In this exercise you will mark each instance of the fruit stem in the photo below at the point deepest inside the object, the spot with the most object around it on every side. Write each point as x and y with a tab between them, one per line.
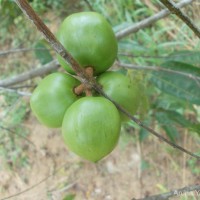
89	71
88	92
78	90
83	87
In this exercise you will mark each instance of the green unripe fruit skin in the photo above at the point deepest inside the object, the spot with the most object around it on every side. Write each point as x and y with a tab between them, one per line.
119	88
89	38
52	97
91	127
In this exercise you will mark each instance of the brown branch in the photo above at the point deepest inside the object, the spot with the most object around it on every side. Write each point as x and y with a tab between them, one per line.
175	10
90	82
148	21
49	36
195	189
45	69
141	124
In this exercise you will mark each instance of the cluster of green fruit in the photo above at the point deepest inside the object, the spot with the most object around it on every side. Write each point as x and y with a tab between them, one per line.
90	124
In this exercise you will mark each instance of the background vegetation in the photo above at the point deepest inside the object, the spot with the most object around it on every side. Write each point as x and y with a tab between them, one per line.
169	102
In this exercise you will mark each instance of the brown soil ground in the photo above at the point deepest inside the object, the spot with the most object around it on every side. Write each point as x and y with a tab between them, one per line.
117	177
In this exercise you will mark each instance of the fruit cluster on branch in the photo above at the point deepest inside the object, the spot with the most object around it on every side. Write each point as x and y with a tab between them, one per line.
90	123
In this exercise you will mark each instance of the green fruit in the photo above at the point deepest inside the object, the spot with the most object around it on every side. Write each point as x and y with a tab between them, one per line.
52	97
120	88
89	38
91	127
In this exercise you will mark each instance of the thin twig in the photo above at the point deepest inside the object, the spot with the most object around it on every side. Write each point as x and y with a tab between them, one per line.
22	86
195	189
11	51
148	21
16	91
64	189
141	124
53	65
154	56
175	10
91	82
45	69
155	68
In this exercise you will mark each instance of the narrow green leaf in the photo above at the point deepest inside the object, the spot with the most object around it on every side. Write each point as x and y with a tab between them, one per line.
182	67
169	102
144	165
122	71
190	57
69	197
181	86
143	134
121	26
168	125
43	55
131	46
180	119
137	78
170	44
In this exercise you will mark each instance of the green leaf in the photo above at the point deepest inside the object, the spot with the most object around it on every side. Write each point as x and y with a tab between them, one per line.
137	78
122	71
190	57
43	55
169	102
143	134
170	44
131	46
69	197
172	117
144	165
168	125
182	67
121	26
195	128
180	119
178	85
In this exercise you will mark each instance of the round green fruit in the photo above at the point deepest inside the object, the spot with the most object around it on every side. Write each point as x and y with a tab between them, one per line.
89	38
120	88
91	127
52	97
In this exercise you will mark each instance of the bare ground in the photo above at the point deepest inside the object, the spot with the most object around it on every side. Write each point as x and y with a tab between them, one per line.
117	177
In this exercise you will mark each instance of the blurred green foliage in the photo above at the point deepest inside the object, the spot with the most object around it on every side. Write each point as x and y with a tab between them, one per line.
12	132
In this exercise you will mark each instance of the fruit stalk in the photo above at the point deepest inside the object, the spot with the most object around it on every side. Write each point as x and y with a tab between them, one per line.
83	87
